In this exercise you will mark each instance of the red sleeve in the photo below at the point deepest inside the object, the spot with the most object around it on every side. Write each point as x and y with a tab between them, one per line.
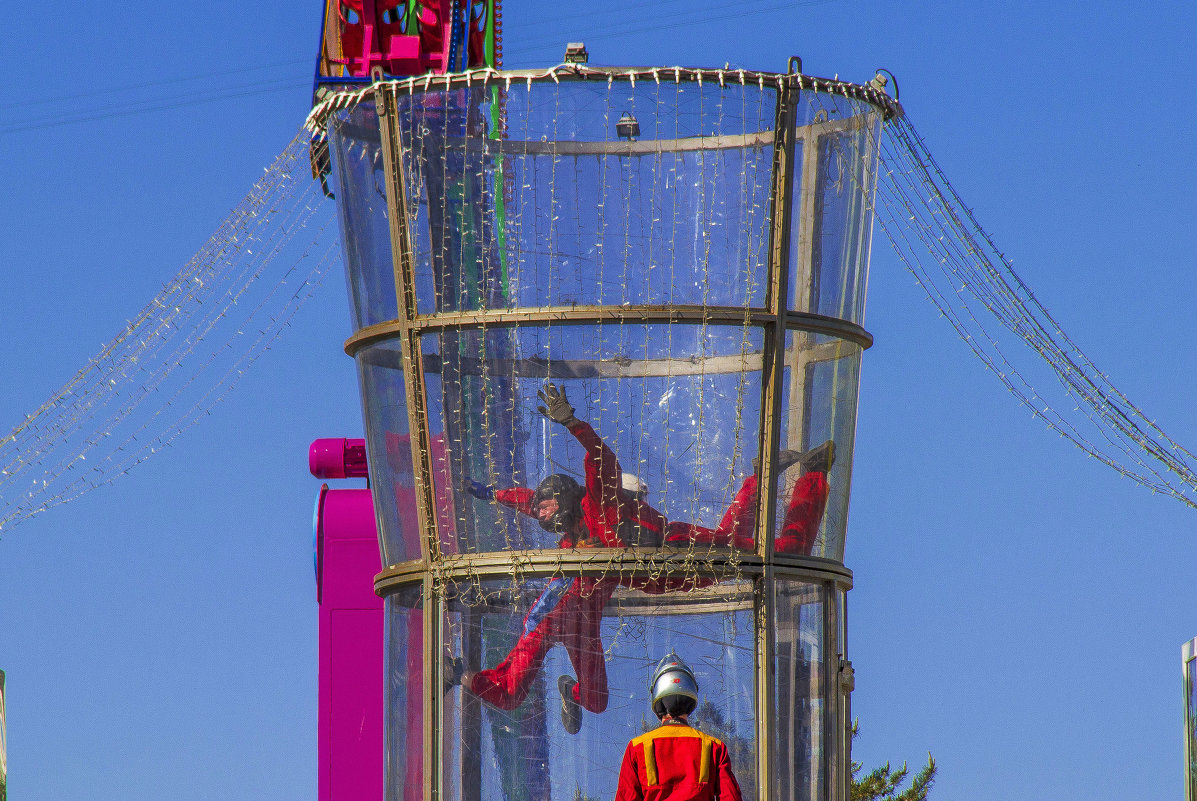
602	466
517	498
603	475
728	789
629	788
648	517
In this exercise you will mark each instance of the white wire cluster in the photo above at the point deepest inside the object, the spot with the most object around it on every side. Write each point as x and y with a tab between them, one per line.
185	350
975	287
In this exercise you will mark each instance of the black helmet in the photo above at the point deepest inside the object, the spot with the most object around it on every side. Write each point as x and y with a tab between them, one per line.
673	687
568	494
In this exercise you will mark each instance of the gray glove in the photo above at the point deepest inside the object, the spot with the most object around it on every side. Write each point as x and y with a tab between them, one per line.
556	405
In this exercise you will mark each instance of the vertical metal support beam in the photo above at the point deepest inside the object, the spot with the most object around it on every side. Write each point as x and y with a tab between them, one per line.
433	692
772	371
836	690
403	260
1188	655
831	693
807	201
845	685
773	360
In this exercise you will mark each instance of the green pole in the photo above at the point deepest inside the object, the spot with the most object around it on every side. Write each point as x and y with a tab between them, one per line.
3	745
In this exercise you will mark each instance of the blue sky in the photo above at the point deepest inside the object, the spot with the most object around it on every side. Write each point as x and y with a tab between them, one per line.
1018	609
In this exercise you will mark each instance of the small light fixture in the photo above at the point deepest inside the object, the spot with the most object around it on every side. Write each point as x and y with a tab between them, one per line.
627	127
575	53
882	80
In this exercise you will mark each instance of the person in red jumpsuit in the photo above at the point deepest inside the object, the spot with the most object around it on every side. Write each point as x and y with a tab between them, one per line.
676	762
569	611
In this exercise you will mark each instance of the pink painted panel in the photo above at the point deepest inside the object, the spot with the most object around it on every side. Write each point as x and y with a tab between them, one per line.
352	642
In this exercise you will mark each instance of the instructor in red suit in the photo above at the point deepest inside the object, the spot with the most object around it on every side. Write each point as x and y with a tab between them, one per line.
675	762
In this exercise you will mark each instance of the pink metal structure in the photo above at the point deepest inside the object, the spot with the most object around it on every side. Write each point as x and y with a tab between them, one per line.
351	628
403	37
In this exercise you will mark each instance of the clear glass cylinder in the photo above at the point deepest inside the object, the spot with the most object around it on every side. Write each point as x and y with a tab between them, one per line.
586	303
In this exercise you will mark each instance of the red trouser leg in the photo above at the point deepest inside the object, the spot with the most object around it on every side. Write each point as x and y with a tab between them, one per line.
686	533
576	623
506	685
580	631
585	651
740	518
735	527
803	515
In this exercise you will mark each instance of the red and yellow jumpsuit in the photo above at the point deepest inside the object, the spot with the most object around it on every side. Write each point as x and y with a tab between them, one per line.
676	763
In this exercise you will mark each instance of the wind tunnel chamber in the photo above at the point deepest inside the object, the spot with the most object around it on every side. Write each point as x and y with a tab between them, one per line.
684	254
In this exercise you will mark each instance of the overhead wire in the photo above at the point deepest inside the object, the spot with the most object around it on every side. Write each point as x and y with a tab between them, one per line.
104	91
621	30
974	285
931	229
139	107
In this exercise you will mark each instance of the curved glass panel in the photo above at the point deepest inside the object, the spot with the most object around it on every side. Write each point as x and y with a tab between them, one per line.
388	451
403	696
675	407
505	734
801	706
534	210
359	184
831	218
820	385
530	195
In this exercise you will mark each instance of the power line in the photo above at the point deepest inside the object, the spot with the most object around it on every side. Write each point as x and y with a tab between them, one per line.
115	90
147	107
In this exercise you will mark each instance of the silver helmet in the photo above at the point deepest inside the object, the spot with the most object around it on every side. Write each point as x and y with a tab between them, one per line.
673	687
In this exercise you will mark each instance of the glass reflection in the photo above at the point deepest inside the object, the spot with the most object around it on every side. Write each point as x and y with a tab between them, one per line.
800	682
612	633
389	451
359	186
552	207
676	408
820	384
831	215
404	697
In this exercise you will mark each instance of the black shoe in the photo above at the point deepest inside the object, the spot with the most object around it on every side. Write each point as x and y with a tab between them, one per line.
453	670
818	459
571	710
787	459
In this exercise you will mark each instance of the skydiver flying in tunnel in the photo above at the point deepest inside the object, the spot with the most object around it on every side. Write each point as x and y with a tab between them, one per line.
601	513
569	611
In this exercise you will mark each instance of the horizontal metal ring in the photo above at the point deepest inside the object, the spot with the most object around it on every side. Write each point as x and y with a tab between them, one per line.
599	562
355	92
589	315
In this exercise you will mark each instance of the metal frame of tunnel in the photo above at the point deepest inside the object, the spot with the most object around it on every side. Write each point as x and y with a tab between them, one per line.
434	571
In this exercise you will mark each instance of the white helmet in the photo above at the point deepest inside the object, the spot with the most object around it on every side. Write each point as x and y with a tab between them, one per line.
673	688
633	485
